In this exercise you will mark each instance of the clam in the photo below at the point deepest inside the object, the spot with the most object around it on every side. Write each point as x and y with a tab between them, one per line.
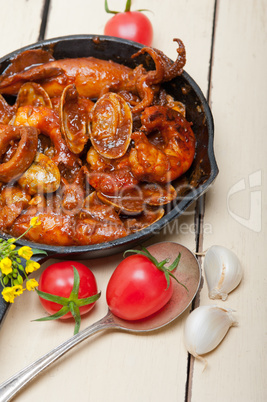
158	194
129	202
33	94
42	176
91	200
111	126
149	216
74	115
132	201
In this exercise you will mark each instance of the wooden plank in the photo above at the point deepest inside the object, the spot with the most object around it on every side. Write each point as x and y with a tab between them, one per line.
20	24
113	366
236	205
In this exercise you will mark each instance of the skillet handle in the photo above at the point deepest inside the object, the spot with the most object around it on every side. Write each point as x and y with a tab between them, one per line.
4	306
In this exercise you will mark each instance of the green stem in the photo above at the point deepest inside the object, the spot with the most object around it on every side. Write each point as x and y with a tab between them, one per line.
23	234
76	315
128	6
64	310
108	10
160	265
64	301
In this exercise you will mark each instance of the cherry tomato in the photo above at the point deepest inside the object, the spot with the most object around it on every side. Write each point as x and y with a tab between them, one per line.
132	25
57	279
137	288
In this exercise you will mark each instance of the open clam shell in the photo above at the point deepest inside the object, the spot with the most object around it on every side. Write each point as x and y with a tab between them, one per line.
111	126
33	94
158	194
149	216
74	115
132	201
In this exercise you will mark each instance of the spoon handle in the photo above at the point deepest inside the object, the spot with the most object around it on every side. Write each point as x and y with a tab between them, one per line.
15	383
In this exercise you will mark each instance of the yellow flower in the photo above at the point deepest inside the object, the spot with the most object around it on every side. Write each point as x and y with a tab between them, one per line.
6	266
31	266
12	247
18	290
25	252
35	221
31	284
10	292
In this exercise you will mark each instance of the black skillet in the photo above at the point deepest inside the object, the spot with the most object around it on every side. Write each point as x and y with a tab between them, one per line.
193	184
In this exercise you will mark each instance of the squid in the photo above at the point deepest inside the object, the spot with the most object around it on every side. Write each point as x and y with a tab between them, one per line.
93	77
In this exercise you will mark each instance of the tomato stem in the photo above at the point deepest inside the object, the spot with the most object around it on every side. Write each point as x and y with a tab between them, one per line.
108	10
128	6
74	309
64	310
161	265
126	10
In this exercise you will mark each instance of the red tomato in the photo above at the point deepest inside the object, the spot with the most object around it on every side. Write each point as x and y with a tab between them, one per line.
137	289
132	25
58	278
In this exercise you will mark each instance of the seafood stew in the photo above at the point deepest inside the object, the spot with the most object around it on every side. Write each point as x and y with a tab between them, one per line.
114	170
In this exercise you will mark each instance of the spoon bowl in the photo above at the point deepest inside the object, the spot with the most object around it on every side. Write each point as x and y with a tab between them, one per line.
188	273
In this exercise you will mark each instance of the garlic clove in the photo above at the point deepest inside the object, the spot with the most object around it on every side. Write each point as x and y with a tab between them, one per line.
205	328
223	271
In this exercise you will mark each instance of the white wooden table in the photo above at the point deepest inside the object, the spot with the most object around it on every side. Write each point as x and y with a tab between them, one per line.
227	56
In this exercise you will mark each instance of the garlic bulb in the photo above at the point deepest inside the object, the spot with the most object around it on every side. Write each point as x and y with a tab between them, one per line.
222	271
205	328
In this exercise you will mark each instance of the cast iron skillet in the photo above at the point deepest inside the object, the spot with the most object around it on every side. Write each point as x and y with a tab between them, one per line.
193	184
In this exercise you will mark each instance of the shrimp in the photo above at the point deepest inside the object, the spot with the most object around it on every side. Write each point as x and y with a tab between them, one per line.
55	228
170	153
47	121
98	223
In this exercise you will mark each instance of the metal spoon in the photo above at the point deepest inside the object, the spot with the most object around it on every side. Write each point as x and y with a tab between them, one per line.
188	273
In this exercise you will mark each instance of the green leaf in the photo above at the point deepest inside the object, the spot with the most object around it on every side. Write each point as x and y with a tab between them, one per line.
53	298
5	280
144	9
162	263
175	263
37	251
76	285
180	283
167	276
146	253
64	310
74	309
20	280
87	300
